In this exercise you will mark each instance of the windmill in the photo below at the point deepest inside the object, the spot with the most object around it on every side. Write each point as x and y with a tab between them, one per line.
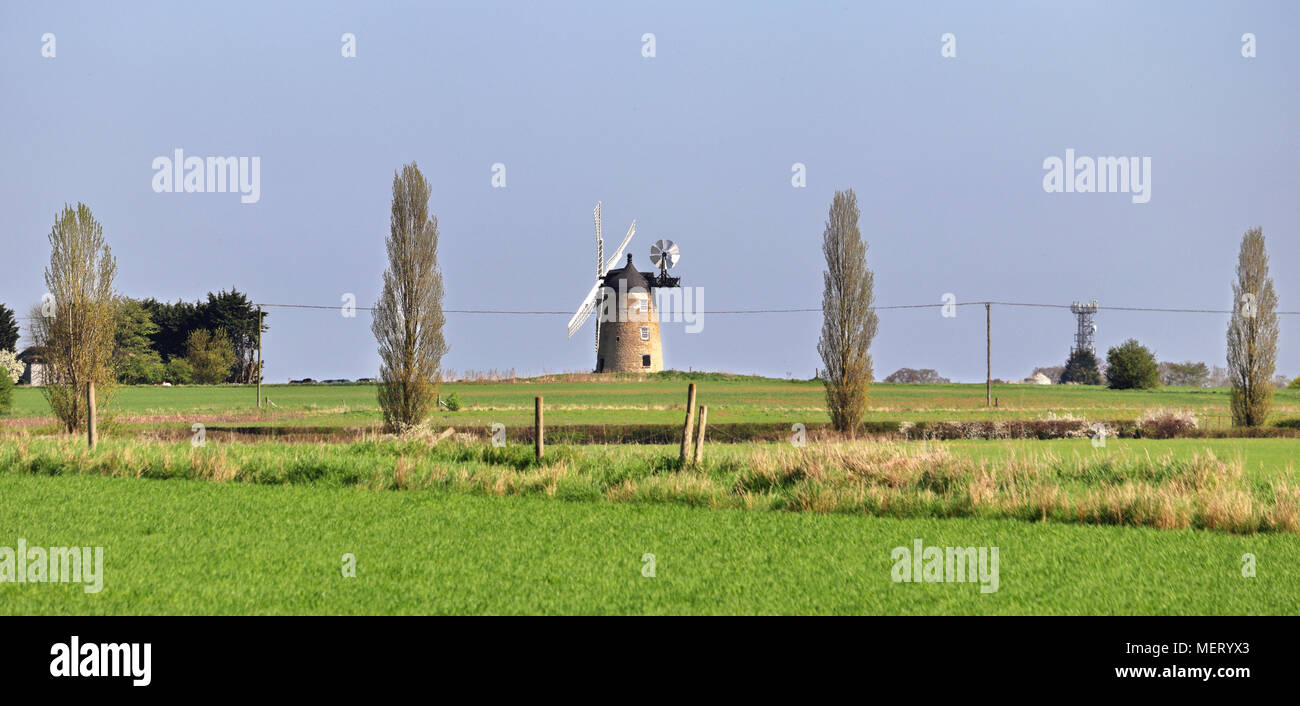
627	329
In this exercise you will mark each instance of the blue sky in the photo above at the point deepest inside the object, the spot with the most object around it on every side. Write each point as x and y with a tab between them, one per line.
696	143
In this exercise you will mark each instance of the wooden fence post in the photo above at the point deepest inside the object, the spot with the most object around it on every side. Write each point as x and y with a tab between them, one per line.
92	433
537	428
699	434
690	421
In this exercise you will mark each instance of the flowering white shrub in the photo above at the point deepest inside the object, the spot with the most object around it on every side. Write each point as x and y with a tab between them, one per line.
9	363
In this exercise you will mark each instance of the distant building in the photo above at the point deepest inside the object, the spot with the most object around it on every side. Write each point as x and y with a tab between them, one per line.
33	361
1038	379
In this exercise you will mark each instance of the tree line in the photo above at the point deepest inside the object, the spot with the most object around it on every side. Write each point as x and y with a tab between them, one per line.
89	338
207	341
849	327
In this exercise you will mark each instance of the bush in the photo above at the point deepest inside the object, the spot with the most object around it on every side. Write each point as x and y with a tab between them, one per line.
6	393
142	370
1081	368
1295	384
453	402
1131	366
1165	423
210	355
928	376
1185	374
178	371
9	364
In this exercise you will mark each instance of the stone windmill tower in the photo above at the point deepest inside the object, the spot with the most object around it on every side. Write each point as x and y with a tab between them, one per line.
627	323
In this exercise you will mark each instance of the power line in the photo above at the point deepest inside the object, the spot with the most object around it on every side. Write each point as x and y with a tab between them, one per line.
337	307
895	307
808	310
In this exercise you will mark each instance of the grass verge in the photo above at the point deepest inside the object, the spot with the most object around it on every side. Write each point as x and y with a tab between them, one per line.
1167	491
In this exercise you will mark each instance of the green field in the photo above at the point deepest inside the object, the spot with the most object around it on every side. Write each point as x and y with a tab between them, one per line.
181	548
1261	458
659	400
260	526
1239	486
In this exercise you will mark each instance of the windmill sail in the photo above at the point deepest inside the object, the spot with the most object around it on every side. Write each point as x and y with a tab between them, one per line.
602	268
609	264
584	310
600	260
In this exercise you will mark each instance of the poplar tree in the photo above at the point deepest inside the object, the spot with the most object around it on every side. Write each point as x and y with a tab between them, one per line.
408	318
75	323
1252	333
848	315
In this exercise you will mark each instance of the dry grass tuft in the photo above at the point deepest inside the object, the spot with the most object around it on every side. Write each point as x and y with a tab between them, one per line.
858	477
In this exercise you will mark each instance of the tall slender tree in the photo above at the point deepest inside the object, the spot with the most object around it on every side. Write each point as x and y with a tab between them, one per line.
75	323
408	318
849	317
1252	333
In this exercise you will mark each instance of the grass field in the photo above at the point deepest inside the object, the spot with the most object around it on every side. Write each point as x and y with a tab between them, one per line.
1135	526
1261	458
1145	484
655	401
180	548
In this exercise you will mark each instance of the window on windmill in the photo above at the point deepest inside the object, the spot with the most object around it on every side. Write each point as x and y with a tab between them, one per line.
645	361
637	308
645	333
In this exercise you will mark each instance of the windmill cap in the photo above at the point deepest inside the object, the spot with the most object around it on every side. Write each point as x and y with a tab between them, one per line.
628	273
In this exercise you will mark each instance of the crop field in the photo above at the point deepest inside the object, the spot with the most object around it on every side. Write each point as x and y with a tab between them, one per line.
456	525
658	400
186	548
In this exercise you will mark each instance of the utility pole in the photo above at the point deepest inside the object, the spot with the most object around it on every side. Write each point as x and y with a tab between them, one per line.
259	356
988	354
